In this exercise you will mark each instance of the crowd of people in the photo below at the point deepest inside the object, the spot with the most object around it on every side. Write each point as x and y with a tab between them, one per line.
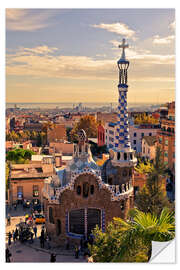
27	231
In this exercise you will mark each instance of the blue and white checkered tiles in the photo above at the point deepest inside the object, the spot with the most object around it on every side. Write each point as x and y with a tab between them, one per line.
122	139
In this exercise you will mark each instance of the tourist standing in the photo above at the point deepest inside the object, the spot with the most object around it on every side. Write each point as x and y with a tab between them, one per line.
48	242
42	239
8	255
35	230
76	252
67	243
14	236
9	238
8	220
53	257
15	206
32	234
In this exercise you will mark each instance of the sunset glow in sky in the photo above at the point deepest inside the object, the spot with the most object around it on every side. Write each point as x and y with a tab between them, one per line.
70	55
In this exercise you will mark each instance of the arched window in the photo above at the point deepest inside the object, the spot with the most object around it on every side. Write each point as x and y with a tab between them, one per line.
125	156
58	227
130	172
131	156
78	190
85	190
51	219
92	189
118	156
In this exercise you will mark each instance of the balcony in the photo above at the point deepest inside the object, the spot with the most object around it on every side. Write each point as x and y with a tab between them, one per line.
119	192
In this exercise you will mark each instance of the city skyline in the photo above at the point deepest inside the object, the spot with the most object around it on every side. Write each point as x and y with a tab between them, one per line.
70	55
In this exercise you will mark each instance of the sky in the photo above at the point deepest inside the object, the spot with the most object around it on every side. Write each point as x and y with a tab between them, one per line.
70	55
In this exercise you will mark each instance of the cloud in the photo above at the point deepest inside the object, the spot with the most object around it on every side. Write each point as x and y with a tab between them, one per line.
118	28
27	19
41	50
15	14
41	62
165	40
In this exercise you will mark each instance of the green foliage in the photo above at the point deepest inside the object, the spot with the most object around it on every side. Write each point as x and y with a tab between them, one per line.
144	167
7	176
41	138
151	197
22	136
12	136
130	241
19	155
89	124
68	132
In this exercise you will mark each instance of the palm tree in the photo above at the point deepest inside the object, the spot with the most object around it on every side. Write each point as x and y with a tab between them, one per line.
144	228
130	240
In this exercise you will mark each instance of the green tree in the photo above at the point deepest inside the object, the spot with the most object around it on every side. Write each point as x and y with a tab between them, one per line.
98	150
48	125
151	197
7	178
19	155
13	136
33	135
130	241
68	132
41	138
23	136
89	124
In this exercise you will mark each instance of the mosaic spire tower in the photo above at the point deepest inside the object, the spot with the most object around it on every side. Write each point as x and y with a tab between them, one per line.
122	154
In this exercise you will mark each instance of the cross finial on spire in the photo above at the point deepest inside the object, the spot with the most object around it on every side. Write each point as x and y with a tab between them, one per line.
123	46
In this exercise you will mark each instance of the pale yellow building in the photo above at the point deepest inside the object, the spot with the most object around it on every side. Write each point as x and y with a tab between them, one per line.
27	181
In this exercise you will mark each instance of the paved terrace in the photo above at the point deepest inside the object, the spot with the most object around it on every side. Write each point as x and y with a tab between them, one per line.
28	252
